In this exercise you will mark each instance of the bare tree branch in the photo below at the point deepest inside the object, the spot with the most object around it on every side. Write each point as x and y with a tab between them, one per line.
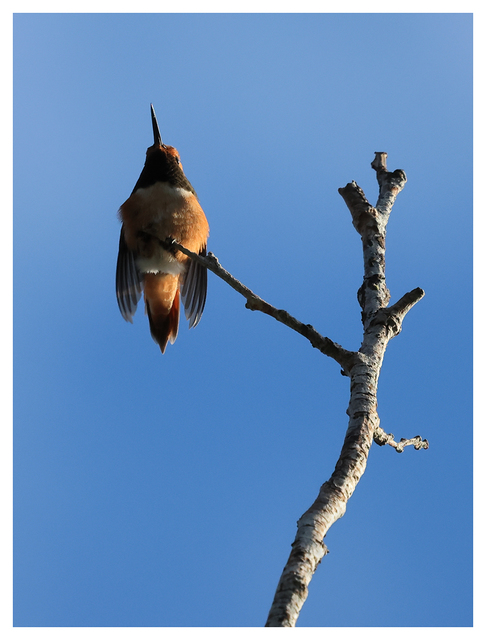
255	303
380	325
390	183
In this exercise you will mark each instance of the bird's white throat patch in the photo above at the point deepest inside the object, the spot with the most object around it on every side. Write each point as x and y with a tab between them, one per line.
161	263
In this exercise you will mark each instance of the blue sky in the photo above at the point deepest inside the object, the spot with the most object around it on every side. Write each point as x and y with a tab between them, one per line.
163	491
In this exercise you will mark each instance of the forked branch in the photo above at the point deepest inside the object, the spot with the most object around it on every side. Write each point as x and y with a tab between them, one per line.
380	324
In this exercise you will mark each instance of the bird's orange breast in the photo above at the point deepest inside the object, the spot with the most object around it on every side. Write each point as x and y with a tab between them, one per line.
162	211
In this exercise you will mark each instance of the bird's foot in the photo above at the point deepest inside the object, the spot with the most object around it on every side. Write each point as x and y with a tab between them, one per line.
168	244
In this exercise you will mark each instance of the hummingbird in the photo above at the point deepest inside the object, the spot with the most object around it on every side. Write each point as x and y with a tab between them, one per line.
163	206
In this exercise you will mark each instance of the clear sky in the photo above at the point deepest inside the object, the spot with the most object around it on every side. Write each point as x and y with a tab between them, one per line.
163	491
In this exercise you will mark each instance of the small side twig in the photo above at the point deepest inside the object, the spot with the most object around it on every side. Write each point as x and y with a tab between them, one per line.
392	317
382	438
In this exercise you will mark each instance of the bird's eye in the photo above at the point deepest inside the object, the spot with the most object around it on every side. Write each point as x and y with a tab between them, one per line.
178	160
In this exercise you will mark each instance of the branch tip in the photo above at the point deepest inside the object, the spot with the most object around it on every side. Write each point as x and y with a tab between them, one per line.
379	161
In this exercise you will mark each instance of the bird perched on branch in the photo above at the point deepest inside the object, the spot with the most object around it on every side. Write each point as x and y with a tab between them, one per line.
163	206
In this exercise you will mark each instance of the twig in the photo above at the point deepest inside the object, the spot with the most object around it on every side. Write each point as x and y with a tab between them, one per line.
382	438
326	346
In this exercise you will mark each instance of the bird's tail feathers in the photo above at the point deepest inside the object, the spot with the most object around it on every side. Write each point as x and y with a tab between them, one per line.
162	304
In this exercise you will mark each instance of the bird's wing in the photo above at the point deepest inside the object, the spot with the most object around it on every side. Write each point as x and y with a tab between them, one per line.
194	290
128	280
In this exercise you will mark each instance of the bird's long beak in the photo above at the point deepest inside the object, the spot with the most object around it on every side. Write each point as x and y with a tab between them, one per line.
155	127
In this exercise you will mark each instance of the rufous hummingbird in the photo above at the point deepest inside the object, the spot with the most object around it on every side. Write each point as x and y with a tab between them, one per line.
162	206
